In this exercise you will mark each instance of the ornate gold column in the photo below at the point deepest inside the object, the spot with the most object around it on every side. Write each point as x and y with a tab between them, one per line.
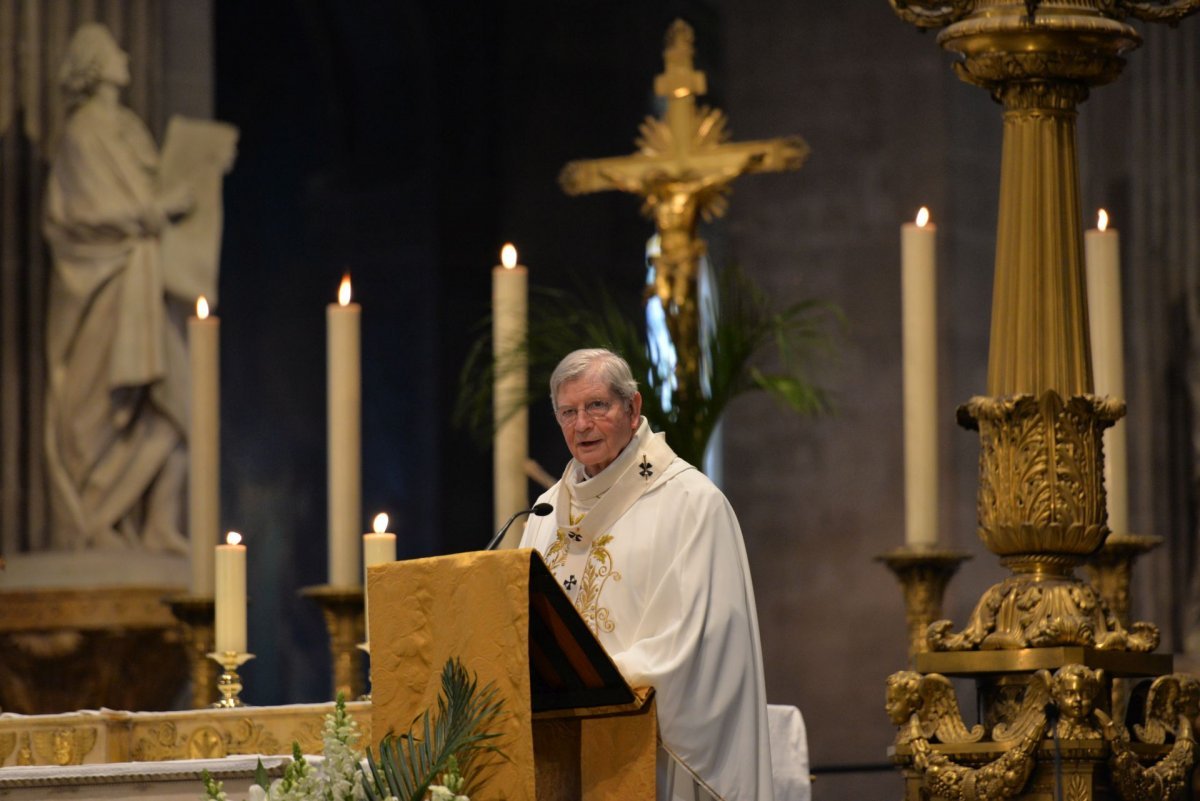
1041	495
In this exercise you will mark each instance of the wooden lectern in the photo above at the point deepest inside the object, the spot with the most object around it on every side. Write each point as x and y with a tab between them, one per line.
572	728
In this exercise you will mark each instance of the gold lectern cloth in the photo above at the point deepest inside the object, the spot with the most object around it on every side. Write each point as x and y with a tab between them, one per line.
475	606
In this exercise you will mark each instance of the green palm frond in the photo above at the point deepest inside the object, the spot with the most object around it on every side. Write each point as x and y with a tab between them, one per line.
408	764
751	346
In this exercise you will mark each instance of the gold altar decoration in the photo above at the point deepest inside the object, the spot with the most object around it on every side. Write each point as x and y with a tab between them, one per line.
68	649
195	616
1041	494
109	736
924	574
683	170
343	611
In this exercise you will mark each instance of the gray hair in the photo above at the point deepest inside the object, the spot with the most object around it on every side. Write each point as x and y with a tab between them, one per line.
609	367
80	72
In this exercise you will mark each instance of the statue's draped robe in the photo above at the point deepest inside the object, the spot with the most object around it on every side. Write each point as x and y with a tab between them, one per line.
116	359
667	591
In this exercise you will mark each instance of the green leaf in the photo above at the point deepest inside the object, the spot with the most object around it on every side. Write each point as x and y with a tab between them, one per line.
260	776
456	735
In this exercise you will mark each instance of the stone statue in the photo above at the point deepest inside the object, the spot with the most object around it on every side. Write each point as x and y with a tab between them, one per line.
116	408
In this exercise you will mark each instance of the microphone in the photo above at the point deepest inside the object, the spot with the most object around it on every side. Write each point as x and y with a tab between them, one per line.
540	509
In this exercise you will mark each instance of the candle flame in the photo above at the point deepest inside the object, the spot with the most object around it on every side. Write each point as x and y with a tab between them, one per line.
380	523
1102	220
344	291
202	308
508	256
233	538
922	217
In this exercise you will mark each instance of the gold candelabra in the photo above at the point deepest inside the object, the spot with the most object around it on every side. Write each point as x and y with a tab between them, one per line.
1041	497
195	614
343	611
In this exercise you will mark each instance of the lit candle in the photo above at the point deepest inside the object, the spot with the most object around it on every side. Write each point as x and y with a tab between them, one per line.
918	254
511	446
204	445
344	394
378	548
230	624
1102	247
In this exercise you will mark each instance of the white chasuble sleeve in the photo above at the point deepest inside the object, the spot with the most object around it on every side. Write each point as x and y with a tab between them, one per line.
684	622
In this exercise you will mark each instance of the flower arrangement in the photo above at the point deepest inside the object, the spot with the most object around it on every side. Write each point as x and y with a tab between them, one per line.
429	763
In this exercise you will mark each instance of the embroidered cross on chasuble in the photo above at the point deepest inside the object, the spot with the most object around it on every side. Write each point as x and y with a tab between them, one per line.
585	513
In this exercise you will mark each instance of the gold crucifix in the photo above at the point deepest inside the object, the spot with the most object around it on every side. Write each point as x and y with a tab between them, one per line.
683	170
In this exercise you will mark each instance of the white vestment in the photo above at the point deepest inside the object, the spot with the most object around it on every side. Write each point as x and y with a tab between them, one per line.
664	584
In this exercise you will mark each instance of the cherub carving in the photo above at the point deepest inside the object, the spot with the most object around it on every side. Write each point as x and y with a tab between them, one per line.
1166	779
1074	692
1169	699
926	707
1031	713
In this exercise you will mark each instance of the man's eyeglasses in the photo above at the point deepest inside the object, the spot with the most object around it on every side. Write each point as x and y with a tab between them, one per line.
594	409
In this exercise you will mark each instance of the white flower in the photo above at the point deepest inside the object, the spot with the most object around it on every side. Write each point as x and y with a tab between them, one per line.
440	792
256	793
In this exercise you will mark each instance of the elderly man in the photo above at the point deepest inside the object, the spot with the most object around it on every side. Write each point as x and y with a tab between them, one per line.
652	556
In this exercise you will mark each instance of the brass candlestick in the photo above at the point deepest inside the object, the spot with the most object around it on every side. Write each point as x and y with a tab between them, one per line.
343	610
230	683
1111	569
924	574
195	614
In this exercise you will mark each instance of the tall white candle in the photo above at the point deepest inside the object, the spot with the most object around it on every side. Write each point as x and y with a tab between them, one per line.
1102	249
918	254
378	548
511	446
204	445
230	634
344	394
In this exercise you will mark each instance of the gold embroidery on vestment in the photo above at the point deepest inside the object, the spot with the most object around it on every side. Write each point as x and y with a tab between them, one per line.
557	553
596	573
